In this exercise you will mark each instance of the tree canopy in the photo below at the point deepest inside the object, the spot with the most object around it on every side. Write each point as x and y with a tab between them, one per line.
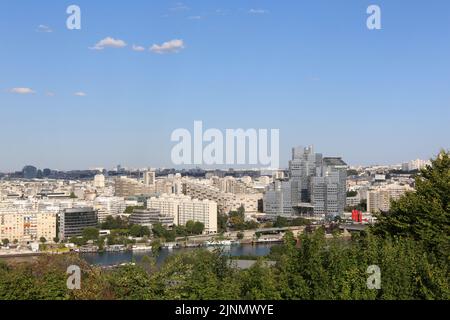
423	214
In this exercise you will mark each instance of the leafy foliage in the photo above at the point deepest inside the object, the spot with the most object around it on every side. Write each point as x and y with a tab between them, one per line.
424	214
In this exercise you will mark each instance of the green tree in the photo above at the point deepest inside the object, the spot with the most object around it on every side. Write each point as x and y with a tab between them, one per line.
198	228
78	241
156	247
300	222
5	242
114	223
281	222
42	240
131	283
424	214
351	194
138	231
91	233
190	227
181	231
158	230
259	283
222	221
251	225
237	219
130	209
101	243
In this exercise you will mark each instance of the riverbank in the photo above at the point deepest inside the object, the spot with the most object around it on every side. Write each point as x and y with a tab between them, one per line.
106	259
6	255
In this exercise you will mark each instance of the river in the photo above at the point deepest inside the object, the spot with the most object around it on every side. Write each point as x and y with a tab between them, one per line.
115	258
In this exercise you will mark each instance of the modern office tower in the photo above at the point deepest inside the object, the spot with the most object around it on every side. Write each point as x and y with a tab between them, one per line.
328	187
184	208
277	199
74	221
27	226
99	181
150	217
29	172
149	178
302	167
316	187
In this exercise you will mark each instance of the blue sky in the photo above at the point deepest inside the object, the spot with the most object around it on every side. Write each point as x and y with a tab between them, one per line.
309	68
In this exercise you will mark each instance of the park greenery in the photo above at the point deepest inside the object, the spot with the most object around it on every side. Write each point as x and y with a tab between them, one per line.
410	245
124	233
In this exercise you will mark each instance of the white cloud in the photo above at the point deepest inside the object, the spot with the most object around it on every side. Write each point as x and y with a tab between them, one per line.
194	17
109	42
258	11
80	94
172	46
222	12
179	6
22	91
138	48
50	94
44	28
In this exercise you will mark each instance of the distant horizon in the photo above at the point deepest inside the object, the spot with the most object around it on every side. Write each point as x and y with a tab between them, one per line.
206	168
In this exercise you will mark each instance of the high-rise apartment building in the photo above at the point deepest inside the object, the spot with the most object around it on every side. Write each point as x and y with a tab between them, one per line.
99	181
379	199
149	178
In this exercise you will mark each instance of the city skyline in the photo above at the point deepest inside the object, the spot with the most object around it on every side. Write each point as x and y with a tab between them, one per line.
205	167
114	91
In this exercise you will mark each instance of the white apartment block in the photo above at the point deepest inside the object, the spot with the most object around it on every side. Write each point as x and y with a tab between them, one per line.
379	199
109	206
184	208
226	201
149	178
27	226
99	181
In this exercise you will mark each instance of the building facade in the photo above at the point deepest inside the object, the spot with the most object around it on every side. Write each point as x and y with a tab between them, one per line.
73	221
27	226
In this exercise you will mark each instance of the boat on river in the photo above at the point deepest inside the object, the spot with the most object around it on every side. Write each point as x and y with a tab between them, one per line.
221	243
